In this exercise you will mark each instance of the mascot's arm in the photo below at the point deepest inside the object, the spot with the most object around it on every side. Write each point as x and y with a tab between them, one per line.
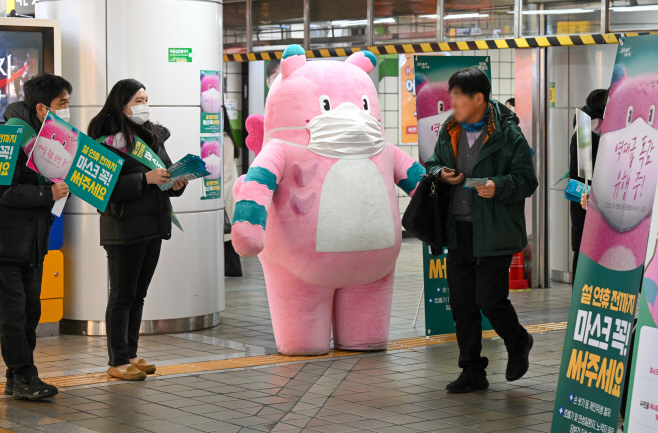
255	127
255	198
408	172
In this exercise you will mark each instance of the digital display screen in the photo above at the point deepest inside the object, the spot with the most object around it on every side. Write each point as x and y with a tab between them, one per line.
21	57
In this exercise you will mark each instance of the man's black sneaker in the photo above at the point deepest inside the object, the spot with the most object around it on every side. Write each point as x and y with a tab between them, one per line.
9	386
33	388
519	361
468	382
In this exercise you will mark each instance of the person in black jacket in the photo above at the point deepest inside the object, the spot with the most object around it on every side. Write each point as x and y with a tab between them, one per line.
136	220
25	222
594	107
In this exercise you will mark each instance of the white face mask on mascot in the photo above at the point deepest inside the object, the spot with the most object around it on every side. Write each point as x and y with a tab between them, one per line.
346	132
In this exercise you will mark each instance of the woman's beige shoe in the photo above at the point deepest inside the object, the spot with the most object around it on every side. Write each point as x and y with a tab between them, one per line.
144	366
131	373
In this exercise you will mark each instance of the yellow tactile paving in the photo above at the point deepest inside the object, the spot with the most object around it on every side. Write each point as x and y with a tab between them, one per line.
253	361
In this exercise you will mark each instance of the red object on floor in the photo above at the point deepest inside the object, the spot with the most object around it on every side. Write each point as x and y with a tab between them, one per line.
516	281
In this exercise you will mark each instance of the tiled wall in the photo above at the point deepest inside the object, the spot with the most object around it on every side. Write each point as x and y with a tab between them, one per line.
502	77
233	89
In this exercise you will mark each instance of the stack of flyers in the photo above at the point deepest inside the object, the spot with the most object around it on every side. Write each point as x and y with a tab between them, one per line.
188	168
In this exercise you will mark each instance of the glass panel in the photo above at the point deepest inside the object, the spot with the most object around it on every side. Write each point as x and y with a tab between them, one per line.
629	16
468	20
338	23
548	17
235	28
404	22
277	24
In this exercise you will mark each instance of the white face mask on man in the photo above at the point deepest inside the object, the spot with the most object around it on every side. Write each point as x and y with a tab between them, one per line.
140	114
62	114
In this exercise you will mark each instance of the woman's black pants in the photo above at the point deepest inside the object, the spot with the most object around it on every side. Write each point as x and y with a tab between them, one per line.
130	268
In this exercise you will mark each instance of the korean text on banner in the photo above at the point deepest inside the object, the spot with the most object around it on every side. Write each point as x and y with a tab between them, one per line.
613	250
10	145
61	153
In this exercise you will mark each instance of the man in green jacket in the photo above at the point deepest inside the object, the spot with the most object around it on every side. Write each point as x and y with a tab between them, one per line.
485	226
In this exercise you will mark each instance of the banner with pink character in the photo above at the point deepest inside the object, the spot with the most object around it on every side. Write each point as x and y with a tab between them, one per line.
211	154
61	153
211	102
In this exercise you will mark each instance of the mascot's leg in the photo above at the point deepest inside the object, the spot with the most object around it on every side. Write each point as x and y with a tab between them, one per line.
301	312
362	315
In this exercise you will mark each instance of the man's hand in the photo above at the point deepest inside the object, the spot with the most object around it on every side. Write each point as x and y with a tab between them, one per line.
487	190
584	201
59	190
450	177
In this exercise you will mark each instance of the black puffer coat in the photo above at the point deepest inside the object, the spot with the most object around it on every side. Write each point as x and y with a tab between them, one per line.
25	206
138	212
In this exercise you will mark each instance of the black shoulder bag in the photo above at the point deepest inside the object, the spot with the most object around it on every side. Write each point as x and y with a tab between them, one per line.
426	215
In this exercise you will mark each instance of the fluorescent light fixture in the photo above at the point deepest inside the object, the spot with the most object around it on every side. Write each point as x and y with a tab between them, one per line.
464	16
557	11
432	17
384	20
347	23
642	8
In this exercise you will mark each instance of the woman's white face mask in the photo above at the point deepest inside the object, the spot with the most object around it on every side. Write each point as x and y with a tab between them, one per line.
140	114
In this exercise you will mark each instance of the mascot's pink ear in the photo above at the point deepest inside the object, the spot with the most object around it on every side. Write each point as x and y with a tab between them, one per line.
294	57
364	60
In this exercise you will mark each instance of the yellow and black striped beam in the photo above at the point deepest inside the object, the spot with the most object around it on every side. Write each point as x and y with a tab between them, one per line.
434	47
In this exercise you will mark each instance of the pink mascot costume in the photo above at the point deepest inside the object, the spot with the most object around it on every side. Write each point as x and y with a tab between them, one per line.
319	206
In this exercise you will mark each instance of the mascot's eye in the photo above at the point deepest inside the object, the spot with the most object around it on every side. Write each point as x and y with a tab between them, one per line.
64	144
366	103
629	115
325	103
440	107
53	136
652	114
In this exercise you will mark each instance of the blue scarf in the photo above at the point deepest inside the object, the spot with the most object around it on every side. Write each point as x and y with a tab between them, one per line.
479	126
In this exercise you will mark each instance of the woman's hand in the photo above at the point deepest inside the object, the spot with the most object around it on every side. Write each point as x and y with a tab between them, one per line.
180	184
584	201
159	176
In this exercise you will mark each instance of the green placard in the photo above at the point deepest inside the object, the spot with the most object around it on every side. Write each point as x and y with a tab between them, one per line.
438	316
180	55
595	354
10	144
94	173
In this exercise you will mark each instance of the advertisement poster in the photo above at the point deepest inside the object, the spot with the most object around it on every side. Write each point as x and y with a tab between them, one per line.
613	250
433	105
438	316
211	154
61	153
407	100
10	145
211	102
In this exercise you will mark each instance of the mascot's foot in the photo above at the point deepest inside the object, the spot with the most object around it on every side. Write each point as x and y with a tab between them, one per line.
373	347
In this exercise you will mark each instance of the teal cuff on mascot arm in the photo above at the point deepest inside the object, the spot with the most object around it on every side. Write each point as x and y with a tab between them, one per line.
414	175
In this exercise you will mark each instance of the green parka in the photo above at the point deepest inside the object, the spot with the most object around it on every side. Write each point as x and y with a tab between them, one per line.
498	223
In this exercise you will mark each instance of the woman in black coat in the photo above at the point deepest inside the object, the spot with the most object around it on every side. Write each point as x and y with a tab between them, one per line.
136	220
594	107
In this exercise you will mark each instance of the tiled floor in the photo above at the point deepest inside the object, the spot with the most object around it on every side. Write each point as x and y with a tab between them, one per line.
398	391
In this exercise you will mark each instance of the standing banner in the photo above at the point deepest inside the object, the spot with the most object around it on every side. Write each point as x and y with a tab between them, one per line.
211	154
10	144
584	140
438	315
61	153
613	250
433	108
211	102
407	100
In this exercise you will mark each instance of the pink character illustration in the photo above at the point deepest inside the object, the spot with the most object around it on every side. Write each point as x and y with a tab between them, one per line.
211	155
433	108
319	206
619	215
54	150
211	96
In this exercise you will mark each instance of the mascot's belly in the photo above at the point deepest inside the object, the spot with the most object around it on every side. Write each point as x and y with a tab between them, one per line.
355	212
